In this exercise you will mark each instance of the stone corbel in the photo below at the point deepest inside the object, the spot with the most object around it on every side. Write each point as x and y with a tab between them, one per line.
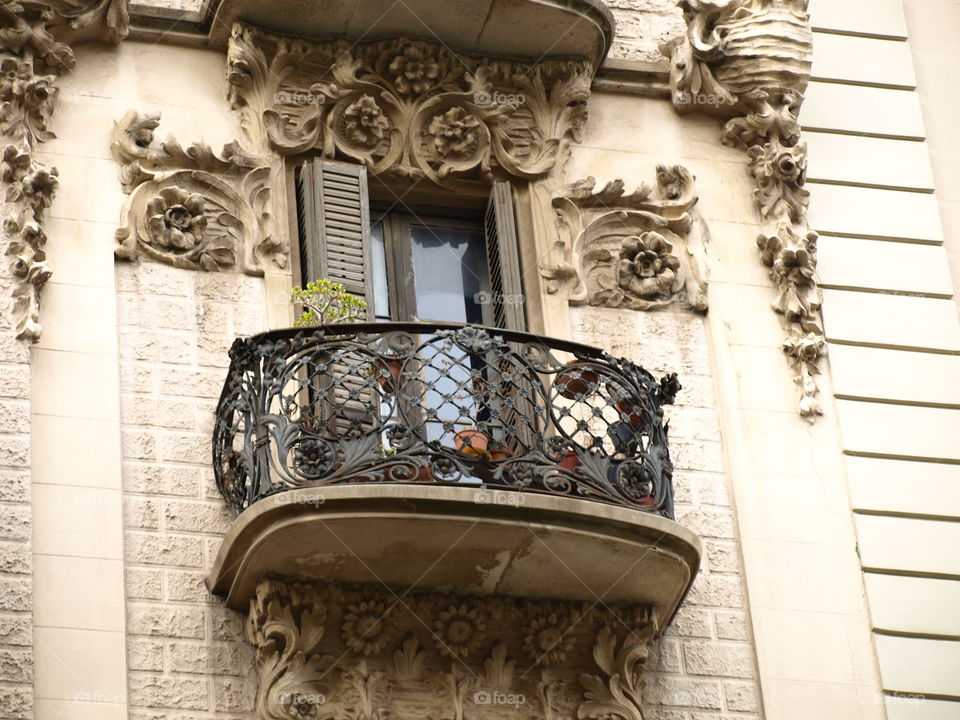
408	109
191	208
642	251
748	61
35	39
325	651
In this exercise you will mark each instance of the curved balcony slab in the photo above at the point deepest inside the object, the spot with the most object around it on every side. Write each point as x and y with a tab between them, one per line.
462	539
499	28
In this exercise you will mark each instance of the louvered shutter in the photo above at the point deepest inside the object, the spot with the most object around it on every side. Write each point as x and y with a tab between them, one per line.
503	258
334	220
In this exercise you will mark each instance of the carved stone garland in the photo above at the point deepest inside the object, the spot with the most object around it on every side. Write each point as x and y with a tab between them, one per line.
191	208
34	52
366	654
642	251
407	109
749	60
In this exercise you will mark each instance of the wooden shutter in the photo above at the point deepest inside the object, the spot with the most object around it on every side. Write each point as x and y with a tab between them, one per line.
334	219
503	258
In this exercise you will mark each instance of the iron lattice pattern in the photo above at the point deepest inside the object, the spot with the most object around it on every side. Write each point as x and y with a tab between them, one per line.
450	404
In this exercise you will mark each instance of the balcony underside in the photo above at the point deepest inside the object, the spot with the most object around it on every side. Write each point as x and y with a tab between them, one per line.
461	539
505	28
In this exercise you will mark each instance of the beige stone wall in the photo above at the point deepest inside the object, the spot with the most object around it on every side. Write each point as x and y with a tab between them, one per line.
16	560
642	25
705	663
185	651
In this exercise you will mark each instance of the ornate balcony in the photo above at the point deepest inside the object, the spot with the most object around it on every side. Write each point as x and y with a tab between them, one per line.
436	456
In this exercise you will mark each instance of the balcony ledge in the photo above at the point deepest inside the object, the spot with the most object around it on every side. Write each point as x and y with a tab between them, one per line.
534	29
469	540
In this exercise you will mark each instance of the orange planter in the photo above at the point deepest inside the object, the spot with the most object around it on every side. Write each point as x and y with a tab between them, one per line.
471	442
577	381
388	374
569	461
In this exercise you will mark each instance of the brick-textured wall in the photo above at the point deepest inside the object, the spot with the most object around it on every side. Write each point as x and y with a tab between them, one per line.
705	664
186	653
16	593
642	25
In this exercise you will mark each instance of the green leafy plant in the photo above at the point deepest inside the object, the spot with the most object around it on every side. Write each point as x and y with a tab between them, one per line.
326	302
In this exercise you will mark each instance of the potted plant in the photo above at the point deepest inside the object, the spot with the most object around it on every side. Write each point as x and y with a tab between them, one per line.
472	442
578	380
326	302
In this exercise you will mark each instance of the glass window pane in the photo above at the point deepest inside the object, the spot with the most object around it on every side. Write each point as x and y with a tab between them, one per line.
381	293
450	267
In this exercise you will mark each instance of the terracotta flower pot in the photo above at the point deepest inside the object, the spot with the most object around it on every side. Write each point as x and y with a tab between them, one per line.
471	442
388	374
425	474
578	381
499	454
569	460
632	411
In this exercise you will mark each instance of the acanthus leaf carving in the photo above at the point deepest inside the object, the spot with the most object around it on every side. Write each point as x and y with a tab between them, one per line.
530	662
191	208
407	109
642	251
749	61
35	50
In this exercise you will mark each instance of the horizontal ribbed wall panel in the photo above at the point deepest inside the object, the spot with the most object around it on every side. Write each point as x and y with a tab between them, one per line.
844	58
918	708
922	667
886	266
864	17
862	110
891	320
904	487
840	210
897	375
868	161
908	545
882	429
921	606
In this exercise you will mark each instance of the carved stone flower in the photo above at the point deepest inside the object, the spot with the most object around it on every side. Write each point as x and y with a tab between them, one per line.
14	77
546	641
15	163
413	71
647	268
455	133
806	348
365	123
366	627
459	631
176	219
40	185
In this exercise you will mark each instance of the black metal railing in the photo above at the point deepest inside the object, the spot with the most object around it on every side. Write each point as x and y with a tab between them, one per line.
440	403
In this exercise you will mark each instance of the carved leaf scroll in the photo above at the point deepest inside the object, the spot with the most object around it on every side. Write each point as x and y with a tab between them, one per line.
35	50
750	60
191	208
319	656
408	109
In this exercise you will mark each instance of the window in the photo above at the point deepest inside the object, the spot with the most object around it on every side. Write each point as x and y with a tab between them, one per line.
409	265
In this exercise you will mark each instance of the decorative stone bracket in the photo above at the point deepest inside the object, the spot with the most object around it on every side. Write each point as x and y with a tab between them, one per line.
35	40
407	109
191	208
749	61
642	251
325	651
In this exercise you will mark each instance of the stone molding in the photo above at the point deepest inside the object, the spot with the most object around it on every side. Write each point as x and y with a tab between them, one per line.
192	208
642	251
408	109
35	40
749	61
325	651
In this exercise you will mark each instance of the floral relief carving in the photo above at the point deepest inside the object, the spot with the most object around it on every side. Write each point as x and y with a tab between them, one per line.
641	251
191	208
35	50
408	109
327	651
749	61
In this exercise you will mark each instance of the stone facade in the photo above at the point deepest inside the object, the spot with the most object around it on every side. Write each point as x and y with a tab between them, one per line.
705	662
642	25
185	650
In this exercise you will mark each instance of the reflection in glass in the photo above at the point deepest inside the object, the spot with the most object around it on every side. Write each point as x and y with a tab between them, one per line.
381	292
450	267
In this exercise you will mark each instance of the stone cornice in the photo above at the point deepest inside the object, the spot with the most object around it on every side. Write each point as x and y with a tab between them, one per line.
749	61
35	50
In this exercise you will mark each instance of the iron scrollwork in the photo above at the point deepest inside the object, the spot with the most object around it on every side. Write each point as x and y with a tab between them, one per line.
443	404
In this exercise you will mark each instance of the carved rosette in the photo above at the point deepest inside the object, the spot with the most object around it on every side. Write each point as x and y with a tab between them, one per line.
191	208
326	651
749	60
35	50
407	109
642	251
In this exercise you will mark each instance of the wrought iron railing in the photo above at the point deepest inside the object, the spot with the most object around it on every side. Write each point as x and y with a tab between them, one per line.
440	403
